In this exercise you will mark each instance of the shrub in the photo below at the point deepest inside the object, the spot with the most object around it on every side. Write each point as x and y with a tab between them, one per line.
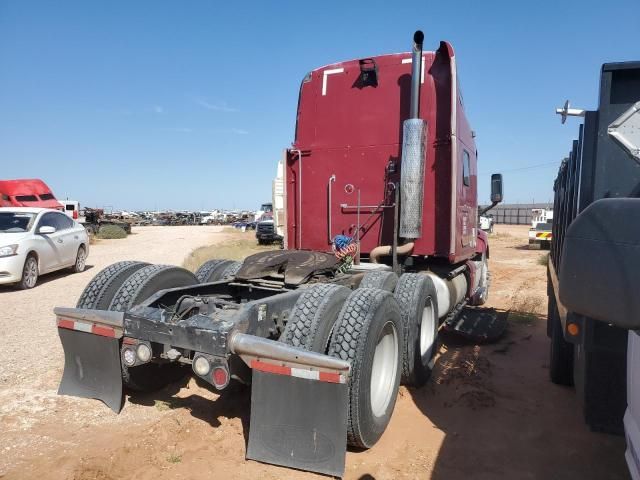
111	231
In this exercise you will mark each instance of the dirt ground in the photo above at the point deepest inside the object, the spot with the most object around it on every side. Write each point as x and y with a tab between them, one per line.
489	412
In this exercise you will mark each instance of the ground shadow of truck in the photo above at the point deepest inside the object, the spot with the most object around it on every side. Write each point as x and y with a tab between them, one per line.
500	416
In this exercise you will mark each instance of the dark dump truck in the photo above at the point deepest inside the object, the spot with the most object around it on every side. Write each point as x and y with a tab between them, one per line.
594	263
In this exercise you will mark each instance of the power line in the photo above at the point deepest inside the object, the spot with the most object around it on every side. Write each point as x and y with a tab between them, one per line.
529	167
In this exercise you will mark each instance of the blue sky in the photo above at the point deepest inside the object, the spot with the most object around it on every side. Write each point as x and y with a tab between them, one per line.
149	104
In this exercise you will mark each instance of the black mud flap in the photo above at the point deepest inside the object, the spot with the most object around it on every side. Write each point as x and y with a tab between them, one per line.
298	423
91	367
478	324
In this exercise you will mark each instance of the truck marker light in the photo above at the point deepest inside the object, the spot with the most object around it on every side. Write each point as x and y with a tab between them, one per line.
220	377
573	329
129	357
201	366
144	352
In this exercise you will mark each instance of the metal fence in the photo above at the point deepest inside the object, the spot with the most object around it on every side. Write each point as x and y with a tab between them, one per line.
516	214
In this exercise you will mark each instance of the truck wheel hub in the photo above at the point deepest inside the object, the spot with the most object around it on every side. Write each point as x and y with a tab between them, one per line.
384	369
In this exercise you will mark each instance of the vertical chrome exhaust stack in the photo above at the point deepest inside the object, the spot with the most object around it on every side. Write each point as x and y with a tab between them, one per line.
416	73
413	153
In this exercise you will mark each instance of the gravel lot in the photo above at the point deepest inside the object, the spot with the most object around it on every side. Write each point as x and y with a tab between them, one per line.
31	359
489	412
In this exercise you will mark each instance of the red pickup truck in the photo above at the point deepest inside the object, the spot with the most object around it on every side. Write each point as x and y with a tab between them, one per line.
27	193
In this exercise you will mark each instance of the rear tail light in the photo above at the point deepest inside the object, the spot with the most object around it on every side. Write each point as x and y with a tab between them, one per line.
75	214
213	370
129	357
220	377
201	366
143	352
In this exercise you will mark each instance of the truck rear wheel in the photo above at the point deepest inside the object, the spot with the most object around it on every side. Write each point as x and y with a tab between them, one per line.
416	296
138	287
101	289
381	279
147	281
368	334
231	270
313	317
560	351
217	269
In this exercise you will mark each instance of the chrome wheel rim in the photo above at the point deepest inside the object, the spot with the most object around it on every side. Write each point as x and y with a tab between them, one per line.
31	273
483	278
81	260
384	369
427	330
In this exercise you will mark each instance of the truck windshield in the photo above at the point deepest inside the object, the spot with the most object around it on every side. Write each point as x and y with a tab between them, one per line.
15	222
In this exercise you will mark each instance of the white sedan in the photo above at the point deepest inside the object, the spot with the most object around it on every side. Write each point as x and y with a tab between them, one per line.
35	241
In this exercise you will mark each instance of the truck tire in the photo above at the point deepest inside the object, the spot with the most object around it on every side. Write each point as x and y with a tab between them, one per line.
147	281
101	289
416	296
216	269
381	279
368	334
485	282
231	270
136	288
313	317
560	351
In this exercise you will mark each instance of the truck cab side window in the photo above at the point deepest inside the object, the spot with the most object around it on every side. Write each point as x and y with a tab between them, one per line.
466	168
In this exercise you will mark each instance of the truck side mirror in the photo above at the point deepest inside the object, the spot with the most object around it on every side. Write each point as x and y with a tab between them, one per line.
496	188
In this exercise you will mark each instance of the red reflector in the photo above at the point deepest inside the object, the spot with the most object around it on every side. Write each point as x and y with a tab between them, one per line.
270	368
104	331
62	323
129	341
329	377
220	377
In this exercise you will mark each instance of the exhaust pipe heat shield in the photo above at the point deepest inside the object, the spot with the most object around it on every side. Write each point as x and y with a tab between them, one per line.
412	177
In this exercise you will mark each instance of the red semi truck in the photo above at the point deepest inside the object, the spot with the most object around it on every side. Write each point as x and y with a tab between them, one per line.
27	193
382	250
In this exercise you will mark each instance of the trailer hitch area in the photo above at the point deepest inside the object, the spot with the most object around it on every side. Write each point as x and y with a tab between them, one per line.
299	402
91	343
